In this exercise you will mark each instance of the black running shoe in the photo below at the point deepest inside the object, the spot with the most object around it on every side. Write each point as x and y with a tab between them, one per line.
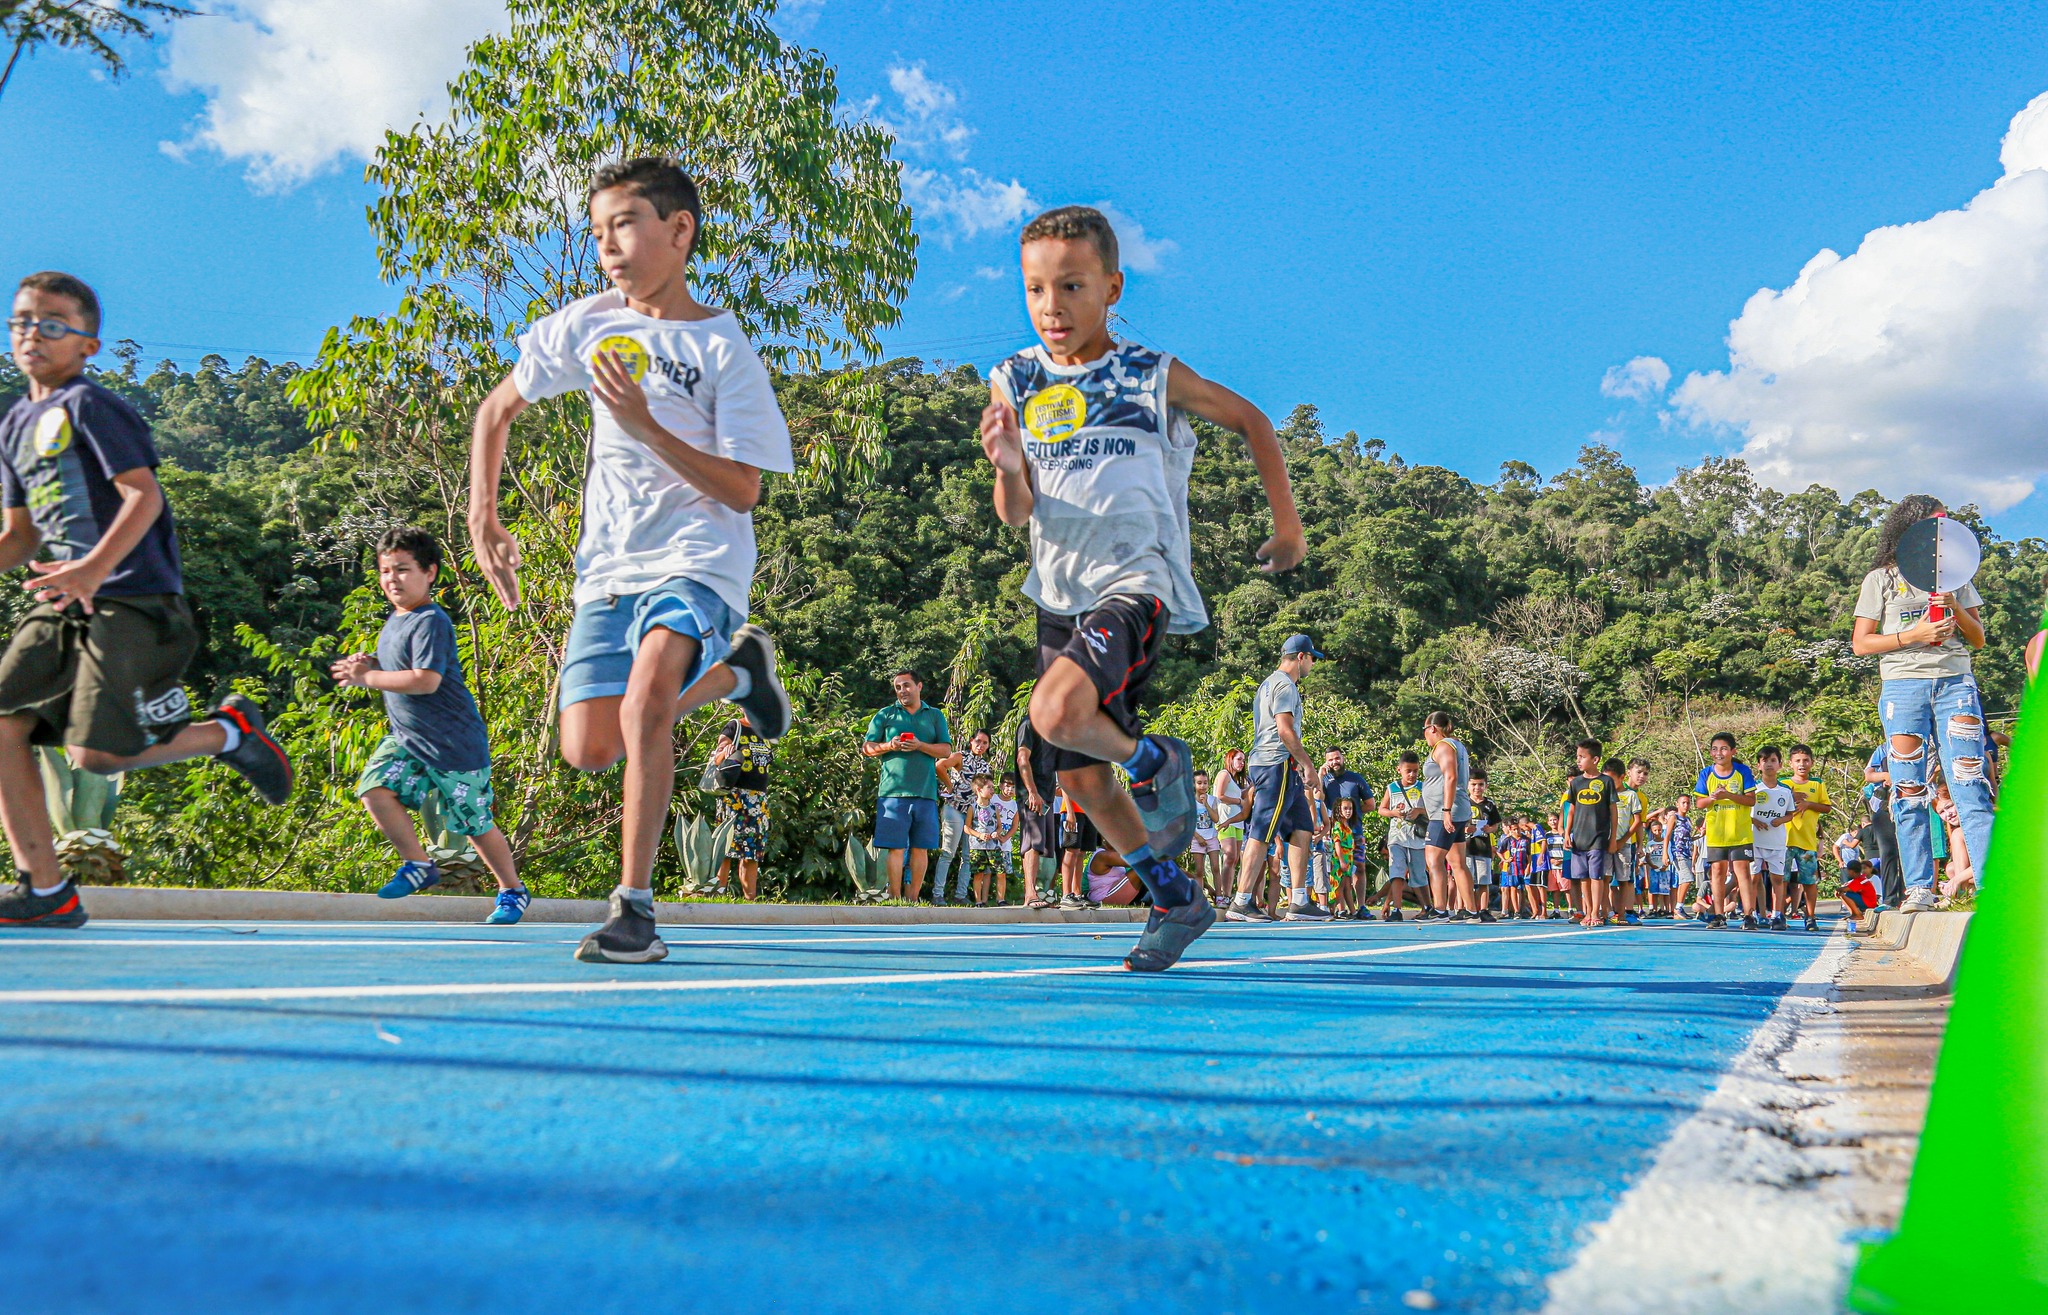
258	758
1486	915
1237	912
1364	915
1166	803
1717	922
627	936
1394	915
766	704
1306	913
1168	933
1813	924
1071	902
1749	922
22	907
1459	916
1777	922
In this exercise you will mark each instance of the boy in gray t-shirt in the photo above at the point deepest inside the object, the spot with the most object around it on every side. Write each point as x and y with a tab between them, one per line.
436	744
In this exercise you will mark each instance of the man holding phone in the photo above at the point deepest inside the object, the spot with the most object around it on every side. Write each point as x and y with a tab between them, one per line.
909	737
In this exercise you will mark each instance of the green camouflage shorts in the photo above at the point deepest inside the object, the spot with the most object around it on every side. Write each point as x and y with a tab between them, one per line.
465	796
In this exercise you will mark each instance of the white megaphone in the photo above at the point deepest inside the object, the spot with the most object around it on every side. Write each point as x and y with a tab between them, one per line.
1938	556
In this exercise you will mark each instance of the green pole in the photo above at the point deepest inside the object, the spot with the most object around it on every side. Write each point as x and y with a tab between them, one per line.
1973	1239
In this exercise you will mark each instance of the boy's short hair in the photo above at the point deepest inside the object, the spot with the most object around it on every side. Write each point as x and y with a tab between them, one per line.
1590	746
983	778
1074	223
1614	765
1476	775
425	549
1643	763
1410	756
1798	749
58	283
1009	778
658	180
1719	737
1767	751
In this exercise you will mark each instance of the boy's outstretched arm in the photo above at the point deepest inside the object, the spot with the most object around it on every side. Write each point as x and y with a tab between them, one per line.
1003	443
1190	392
497	552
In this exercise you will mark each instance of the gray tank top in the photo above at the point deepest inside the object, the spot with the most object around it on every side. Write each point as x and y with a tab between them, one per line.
1433	785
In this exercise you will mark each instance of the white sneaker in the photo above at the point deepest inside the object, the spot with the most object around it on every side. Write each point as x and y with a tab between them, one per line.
1918	900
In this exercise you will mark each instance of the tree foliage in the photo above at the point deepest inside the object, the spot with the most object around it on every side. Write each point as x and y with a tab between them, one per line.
90	26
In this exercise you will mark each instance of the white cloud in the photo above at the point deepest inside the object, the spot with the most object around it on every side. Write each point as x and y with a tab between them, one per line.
1640	380
798	17
944	191
1919	362
293	86
1137	251
965	200
927	120
990	272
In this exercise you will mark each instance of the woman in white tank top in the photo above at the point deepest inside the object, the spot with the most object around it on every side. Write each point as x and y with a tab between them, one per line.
1233	806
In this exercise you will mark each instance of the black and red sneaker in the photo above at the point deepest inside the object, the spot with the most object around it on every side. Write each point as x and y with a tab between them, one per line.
258	758
22	907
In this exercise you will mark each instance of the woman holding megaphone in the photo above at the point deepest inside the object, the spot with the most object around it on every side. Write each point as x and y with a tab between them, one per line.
1917	614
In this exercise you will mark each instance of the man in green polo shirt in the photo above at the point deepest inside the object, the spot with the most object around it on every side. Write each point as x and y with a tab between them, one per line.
909	737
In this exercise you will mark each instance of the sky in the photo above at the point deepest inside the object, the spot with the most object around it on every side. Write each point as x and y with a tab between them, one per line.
1813	236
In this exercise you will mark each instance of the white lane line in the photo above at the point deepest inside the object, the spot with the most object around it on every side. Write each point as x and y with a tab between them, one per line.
195	995
223	942
1774	1244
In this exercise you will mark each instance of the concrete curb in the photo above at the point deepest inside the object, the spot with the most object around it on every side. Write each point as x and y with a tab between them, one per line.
172	904
1932	941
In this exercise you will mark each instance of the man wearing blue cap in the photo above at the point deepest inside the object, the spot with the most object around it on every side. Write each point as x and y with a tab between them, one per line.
1281	773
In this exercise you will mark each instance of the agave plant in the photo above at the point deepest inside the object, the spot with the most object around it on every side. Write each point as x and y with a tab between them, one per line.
701	845
82	805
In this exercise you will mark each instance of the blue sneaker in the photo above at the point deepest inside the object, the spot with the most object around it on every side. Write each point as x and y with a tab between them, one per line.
410	878
1631	919
511	907
1168	933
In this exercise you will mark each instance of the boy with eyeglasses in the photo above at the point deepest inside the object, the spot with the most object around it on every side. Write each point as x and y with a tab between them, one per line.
98	664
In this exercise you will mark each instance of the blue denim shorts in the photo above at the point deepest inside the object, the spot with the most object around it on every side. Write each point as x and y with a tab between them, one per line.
902	822
606	635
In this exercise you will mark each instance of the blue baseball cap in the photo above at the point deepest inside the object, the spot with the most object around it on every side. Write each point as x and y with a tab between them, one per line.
1301	644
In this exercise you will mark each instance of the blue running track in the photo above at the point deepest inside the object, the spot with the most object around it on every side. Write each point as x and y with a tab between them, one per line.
351	1118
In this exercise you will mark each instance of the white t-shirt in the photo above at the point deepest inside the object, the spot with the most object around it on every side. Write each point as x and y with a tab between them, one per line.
1009	819
642	522
1767	816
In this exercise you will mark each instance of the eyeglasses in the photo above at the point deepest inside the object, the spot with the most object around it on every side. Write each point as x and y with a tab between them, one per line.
21	326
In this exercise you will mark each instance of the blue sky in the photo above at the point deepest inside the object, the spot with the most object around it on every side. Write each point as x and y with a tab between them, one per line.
1443	225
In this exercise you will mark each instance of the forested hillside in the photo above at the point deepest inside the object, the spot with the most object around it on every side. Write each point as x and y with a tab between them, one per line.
1537	609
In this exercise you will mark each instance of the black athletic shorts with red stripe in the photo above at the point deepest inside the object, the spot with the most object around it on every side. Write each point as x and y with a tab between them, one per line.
1117	644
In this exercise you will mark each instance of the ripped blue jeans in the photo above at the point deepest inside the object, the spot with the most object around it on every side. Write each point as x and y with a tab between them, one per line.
1948	711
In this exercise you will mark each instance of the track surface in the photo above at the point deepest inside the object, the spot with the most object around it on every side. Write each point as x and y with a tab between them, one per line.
342	1117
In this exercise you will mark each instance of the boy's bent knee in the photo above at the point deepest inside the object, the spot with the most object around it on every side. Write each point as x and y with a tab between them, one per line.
590	757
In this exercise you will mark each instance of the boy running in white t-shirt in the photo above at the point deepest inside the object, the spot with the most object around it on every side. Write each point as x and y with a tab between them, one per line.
683	423
1092	449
